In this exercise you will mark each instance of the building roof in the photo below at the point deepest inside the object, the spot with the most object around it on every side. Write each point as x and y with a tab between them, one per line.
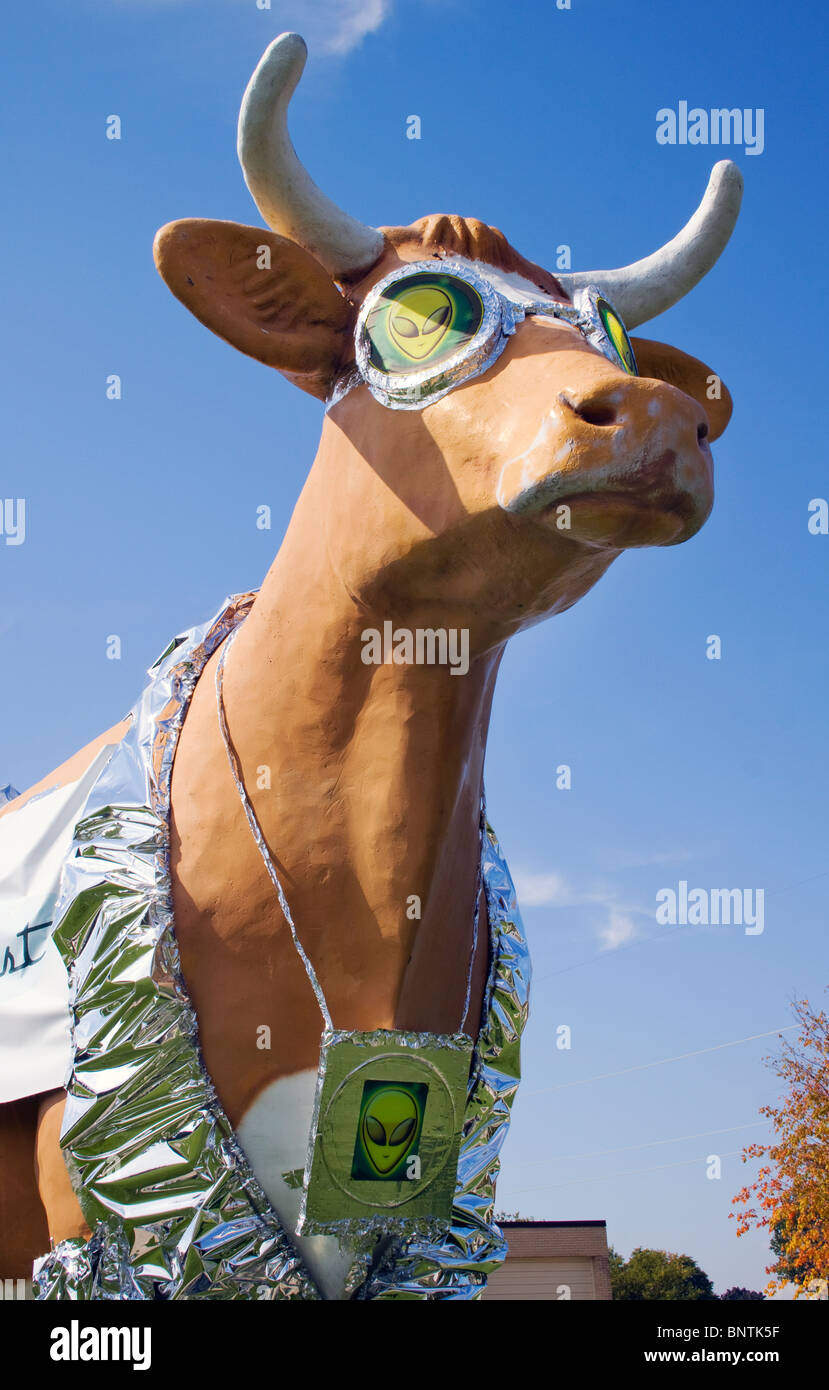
533	1225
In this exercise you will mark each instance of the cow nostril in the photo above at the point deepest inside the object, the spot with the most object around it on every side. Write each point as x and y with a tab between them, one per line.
702	431
594	412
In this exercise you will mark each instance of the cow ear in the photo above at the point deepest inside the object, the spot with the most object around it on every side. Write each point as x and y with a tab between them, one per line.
263	294
691	376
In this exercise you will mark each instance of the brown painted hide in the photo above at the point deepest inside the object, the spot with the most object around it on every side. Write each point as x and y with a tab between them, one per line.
365	778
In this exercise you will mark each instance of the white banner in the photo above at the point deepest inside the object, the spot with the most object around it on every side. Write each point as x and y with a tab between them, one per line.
34	991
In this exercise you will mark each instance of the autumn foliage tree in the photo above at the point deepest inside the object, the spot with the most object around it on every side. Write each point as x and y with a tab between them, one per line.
790	1195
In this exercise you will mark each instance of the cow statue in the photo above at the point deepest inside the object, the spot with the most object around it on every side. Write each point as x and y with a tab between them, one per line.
290	824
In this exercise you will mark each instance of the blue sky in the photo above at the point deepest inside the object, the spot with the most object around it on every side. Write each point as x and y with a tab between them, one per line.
140	513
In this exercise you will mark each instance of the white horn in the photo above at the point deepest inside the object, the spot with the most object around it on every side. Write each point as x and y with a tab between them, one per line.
640	291
283	191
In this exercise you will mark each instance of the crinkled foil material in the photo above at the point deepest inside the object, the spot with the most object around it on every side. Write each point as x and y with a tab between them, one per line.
175	1209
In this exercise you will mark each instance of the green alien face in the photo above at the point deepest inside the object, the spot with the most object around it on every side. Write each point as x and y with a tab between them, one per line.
421	320
391	1118
388	1129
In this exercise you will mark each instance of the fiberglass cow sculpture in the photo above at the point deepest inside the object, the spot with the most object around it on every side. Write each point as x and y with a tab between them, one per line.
288	831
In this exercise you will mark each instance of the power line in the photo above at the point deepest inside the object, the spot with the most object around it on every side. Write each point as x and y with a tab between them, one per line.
630	1148
608	953
610	1177
661	1062
775	892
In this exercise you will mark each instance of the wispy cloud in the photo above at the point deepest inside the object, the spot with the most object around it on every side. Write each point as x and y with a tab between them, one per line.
541	890
350	21
329	26
612	919
618	929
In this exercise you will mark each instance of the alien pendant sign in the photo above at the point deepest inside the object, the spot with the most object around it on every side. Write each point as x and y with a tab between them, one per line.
388	1117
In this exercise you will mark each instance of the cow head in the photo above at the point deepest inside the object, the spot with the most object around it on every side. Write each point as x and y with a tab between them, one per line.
504	499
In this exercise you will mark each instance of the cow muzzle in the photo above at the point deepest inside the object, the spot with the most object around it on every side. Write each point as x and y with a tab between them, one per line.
618	464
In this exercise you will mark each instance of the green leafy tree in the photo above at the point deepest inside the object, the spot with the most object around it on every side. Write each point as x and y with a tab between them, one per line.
747	1295
658	1274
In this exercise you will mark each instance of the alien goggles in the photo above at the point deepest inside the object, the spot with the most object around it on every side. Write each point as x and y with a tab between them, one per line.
421	331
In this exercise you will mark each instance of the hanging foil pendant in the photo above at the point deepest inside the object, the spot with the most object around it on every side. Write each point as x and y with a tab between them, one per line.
386	1132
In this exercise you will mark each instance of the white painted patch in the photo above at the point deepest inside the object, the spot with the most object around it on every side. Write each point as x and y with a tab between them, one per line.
508	282
274	1135
523	475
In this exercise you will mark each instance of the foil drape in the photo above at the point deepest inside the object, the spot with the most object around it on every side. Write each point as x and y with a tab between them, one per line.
174	1206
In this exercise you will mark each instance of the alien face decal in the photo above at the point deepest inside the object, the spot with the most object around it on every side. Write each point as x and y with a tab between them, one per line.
388	1129
422	319
618	335
391	1118
419	320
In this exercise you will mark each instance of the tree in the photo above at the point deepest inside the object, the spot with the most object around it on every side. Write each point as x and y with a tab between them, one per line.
745	1294
790	1194
658	1274
780	1237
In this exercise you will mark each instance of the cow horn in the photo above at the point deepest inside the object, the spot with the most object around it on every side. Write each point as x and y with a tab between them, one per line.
283	191
648	287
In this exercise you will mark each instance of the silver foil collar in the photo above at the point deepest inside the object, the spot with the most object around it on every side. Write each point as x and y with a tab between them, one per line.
174	1206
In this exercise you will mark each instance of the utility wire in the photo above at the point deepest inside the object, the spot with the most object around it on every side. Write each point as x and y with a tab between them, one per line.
608	953
612	951
630	1148
610	1177
660	1062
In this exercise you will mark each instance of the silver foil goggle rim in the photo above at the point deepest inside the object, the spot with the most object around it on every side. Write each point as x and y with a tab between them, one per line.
415	389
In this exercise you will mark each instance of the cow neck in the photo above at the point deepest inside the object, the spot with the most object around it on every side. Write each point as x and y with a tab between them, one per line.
395	756
262	845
